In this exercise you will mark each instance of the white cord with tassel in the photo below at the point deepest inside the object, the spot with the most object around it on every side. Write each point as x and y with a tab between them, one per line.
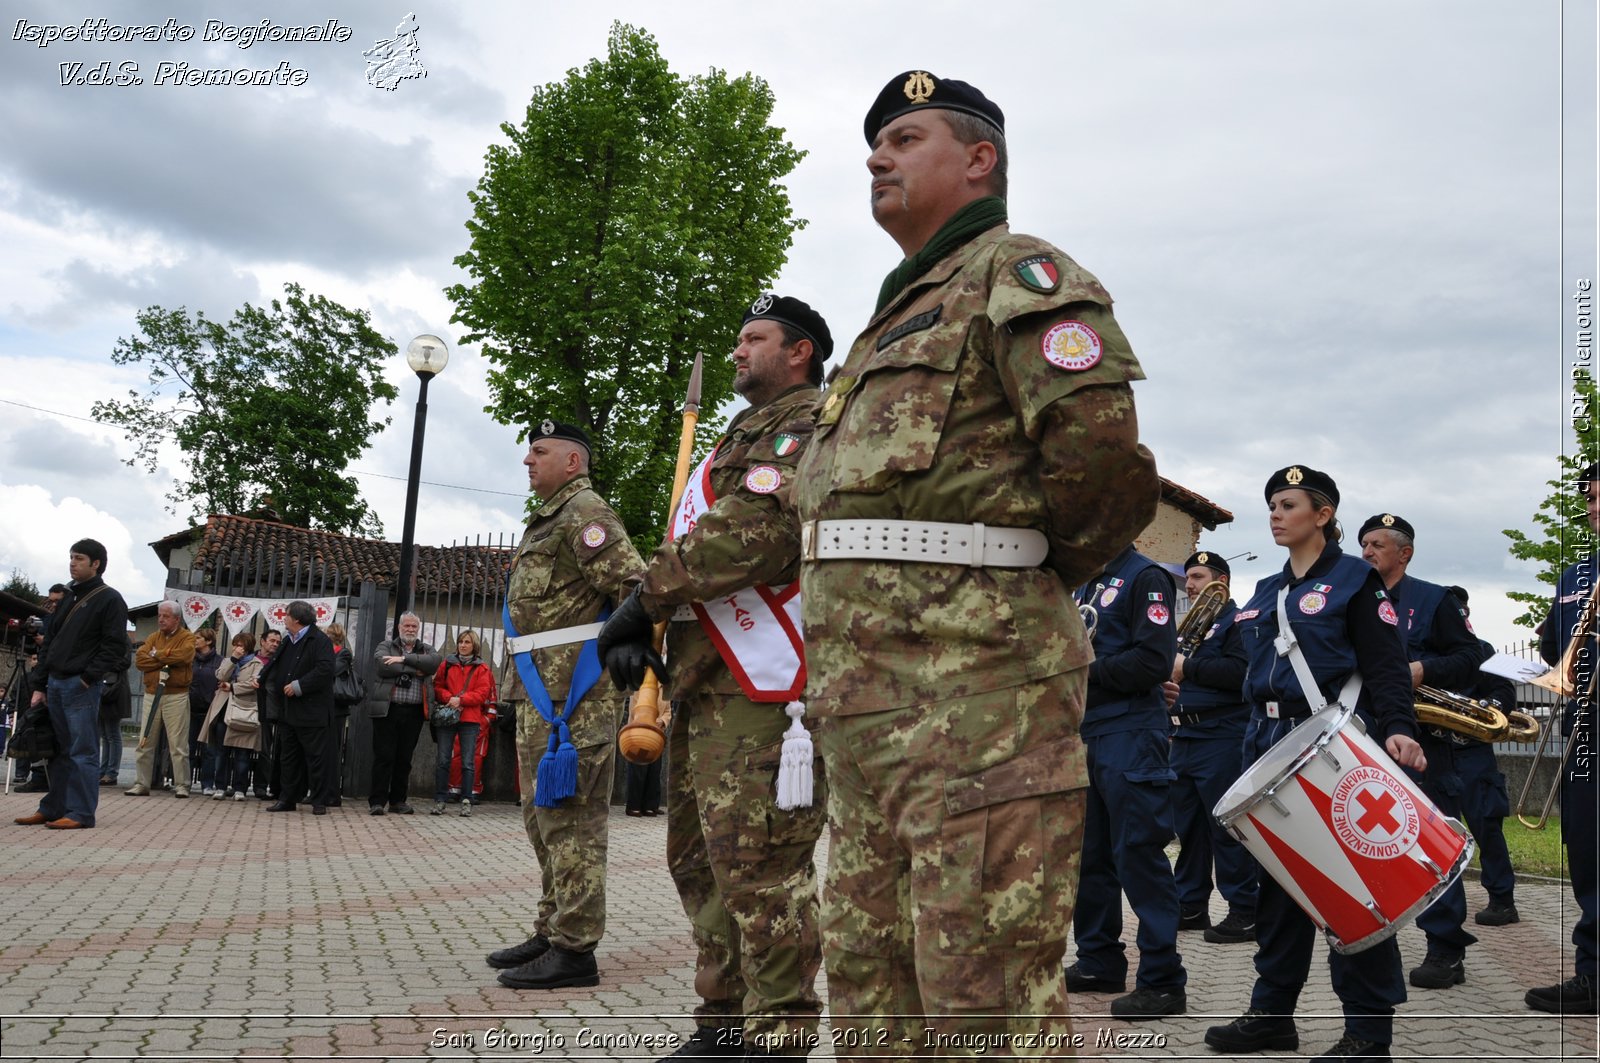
794	769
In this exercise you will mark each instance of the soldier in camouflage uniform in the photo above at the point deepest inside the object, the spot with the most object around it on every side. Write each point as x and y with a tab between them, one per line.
743	866
574	559
976	458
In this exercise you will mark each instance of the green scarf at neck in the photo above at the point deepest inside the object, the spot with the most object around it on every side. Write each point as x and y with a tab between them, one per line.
964	224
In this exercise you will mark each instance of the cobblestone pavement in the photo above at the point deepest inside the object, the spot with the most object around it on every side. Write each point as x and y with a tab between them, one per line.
208	930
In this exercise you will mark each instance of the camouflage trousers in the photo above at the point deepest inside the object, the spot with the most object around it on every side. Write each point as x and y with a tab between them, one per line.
569	840
955	829
744	870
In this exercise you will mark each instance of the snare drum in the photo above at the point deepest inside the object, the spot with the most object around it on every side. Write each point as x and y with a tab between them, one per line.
1330	816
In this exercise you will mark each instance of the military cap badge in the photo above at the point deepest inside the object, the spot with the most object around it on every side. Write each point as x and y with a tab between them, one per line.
1388	520
1294	475
919	86
547	427
762	304
1202	558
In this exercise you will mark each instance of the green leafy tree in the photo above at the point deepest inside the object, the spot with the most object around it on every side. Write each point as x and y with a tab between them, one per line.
271	405
629	222
22	587
1564	535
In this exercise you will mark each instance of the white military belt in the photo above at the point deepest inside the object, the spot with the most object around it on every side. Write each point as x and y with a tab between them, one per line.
560	636
931	541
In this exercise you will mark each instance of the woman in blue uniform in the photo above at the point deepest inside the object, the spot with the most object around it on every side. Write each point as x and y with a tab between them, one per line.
1344	623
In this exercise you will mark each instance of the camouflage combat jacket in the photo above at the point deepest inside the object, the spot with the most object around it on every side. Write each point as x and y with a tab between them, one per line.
745	538
574	558
993	389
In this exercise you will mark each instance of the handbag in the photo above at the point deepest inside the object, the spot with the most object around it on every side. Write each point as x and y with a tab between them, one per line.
33	737
446	715
348	689
242	718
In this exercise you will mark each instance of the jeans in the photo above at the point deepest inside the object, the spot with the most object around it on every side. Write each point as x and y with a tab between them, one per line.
110	748
74	781
232	770
468	733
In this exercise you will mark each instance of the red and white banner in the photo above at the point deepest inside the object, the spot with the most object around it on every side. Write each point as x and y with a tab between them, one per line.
238	612
757	630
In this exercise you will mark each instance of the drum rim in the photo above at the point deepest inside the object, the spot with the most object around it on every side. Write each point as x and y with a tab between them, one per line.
1405	918
1334	723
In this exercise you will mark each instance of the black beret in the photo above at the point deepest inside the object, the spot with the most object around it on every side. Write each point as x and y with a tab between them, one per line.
1215	562
1389	521
1304	477
917	89
1460	594
548	429
787	310
1588	476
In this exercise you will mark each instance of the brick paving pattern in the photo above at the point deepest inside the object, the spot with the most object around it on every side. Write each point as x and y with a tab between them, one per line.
211	930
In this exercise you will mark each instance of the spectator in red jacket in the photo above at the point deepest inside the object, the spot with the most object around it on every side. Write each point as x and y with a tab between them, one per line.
462	687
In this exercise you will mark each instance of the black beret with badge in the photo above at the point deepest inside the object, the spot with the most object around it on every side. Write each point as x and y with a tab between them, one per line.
548	429
1215	562
1388	521
919	90
1306	478
787	310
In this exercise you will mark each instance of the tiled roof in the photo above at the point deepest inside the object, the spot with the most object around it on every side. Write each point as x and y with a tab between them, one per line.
1197	506
233	549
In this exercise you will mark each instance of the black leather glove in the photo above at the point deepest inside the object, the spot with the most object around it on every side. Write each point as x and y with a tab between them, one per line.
624	645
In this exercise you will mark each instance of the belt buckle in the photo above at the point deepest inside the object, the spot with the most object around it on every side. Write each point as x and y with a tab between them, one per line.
808	541
1272	710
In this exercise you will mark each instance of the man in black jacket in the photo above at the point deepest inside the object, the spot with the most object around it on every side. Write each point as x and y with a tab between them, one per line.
302	674
86	641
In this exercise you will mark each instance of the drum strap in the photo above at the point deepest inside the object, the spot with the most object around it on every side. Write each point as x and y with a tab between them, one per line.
1288	646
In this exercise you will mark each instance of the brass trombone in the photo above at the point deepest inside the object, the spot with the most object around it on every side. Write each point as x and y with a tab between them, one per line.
1563	680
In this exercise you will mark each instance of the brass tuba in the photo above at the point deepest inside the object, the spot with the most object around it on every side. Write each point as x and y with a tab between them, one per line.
1472	717
1208	605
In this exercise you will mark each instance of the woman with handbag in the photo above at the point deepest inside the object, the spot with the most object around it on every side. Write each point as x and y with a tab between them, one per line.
348	692
236	702
462	686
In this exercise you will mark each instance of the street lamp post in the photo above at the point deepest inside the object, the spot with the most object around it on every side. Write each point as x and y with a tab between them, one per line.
426	355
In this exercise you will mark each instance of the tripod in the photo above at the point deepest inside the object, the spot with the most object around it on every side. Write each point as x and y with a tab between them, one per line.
13	692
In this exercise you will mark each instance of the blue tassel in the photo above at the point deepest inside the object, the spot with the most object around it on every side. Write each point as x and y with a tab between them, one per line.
558	769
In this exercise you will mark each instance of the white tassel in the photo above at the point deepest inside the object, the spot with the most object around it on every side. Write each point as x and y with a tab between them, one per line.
794	769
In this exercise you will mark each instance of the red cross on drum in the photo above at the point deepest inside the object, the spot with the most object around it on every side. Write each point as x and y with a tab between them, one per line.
1341	828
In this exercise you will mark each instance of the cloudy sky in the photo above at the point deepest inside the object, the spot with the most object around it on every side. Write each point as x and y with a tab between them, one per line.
1340	234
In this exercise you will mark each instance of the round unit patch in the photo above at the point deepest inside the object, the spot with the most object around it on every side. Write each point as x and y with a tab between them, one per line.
1312	603
763	479
1373	815
1108	596
1386	613
593	536
1158	614
1072	345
